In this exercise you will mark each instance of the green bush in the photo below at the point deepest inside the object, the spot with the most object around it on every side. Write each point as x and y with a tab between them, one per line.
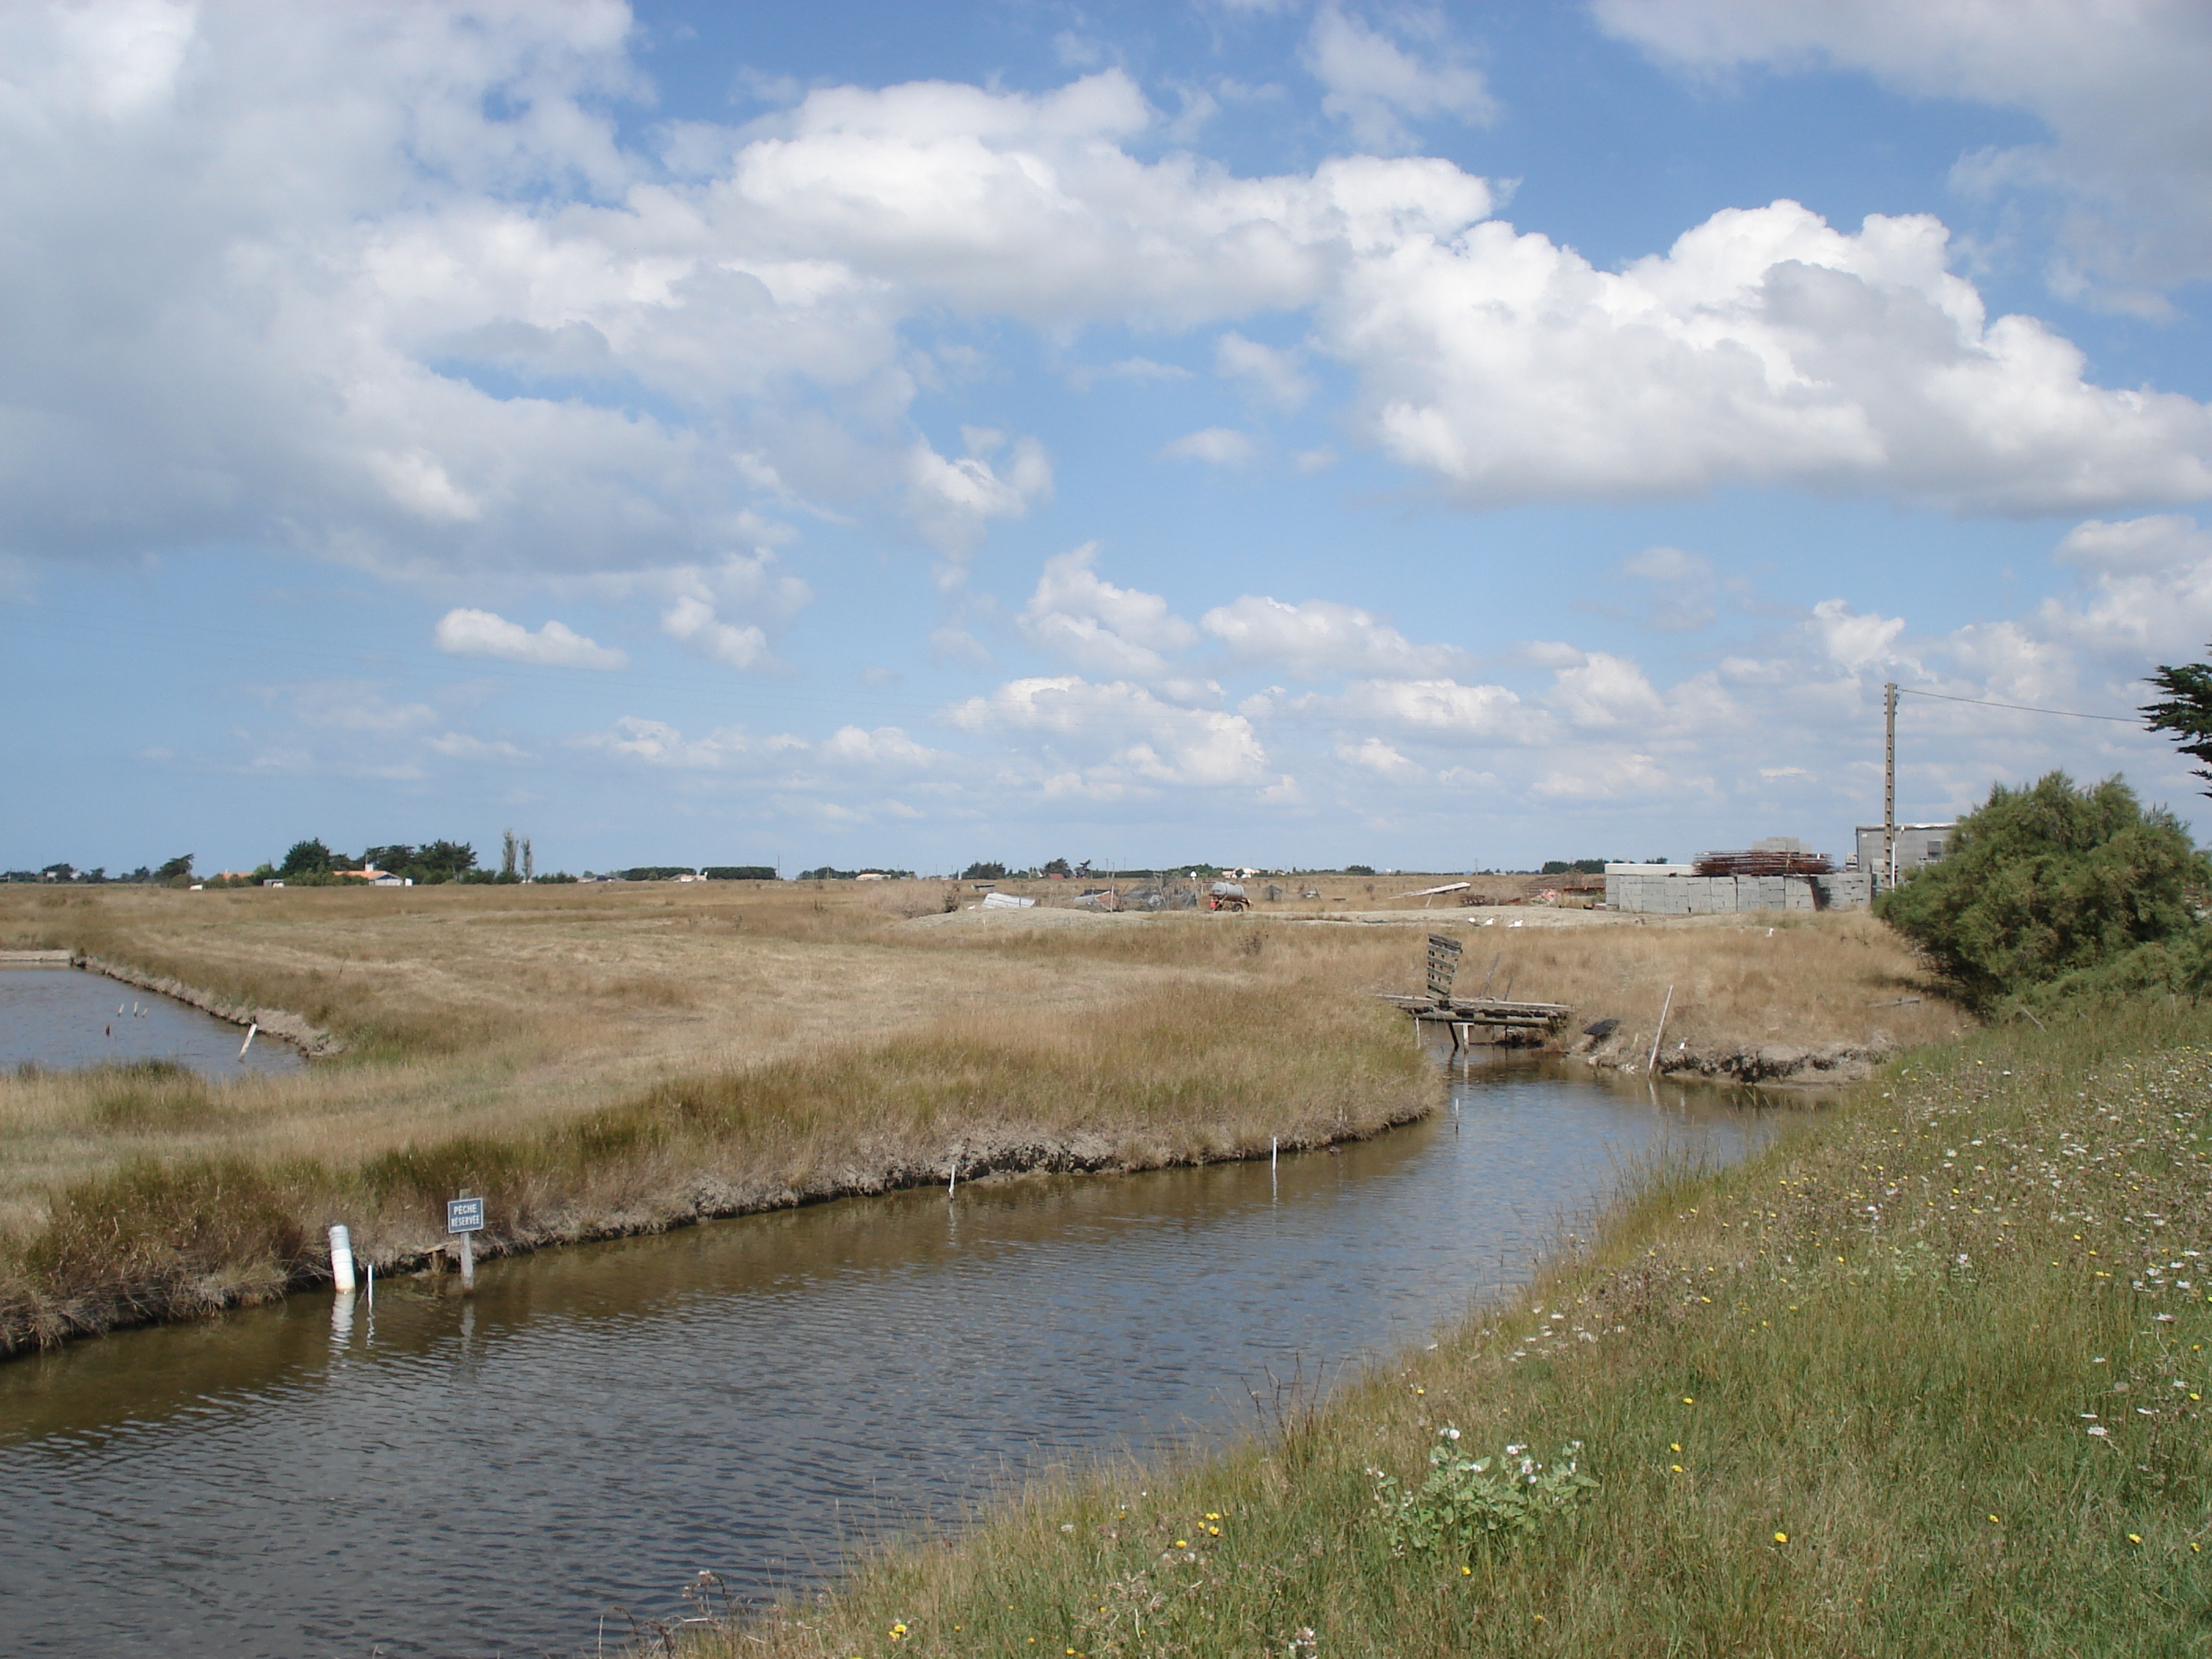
2054	883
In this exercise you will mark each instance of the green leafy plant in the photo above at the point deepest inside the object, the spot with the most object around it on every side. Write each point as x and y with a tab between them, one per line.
2055	880
1465	1501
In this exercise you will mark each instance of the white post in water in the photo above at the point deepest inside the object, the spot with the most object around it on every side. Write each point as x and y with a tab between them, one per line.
248	1043
341	1259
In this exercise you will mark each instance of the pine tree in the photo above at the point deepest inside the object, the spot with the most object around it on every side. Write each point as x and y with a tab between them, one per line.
2187	710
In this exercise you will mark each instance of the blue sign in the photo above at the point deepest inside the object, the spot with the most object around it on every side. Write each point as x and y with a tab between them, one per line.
465	1215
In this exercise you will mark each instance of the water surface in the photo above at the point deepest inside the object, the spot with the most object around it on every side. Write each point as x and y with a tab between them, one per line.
60	1018
437	1477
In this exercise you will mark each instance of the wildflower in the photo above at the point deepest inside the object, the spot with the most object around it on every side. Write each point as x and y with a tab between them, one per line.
1995	1522
1678	1468
1781	1537
2134	1538
1674	1445
1689	1400
2100	1432
1449	1434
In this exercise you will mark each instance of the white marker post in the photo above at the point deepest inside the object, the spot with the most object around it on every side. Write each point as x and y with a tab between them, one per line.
341	1259
466	1216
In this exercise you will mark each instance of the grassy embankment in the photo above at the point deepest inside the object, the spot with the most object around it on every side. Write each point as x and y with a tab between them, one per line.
1926	1377
601	1060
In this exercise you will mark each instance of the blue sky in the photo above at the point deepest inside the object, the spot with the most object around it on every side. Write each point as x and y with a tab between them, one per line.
1436	437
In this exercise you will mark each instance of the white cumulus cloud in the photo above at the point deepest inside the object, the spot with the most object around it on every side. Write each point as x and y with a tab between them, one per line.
1114	736
1375	84
1100	627
2119	84
692	620
1765	347
1216	446
466	633
1269	373
1320	637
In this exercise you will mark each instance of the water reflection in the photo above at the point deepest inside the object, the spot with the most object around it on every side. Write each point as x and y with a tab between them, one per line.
433	1476
61	1017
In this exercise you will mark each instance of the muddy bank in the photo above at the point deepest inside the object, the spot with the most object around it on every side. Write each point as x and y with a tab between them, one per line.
279	1022
986	1157
1770	1063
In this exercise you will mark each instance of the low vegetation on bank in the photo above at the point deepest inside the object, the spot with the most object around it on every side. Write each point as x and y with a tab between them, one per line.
1928	1377
604	1060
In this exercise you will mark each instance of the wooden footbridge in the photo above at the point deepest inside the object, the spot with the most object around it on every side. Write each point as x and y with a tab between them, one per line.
1501	1019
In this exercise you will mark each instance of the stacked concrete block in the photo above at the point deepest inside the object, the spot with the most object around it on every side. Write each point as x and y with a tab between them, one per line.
1847	890
1674	890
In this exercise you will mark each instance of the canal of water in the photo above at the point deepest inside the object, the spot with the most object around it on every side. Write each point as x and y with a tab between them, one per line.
432	1476
61	1018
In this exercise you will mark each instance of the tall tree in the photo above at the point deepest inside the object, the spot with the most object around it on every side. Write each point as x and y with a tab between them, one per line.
307	858
2187	710
2052	880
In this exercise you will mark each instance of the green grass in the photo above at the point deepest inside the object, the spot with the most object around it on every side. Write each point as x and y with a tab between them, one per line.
1840	1400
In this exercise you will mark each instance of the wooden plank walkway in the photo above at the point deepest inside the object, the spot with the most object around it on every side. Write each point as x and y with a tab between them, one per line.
1482	1011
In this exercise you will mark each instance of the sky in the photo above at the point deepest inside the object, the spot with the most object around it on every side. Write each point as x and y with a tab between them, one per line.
1440	438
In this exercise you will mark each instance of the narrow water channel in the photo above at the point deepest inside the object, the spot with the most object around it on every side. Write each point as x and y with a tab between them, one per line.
60	1018
437	1477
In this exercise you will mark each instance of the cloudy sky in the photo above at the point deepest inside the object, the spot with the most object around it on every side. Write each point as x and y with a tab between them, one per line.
1439	437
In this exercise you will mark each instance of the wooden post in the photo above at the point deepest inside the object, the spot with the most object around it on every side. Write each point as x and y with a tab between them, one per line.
468	1264
1653	1058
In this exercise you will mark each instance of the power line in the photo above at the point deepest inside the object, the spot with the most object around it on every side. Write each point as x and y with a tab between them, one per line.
2017	708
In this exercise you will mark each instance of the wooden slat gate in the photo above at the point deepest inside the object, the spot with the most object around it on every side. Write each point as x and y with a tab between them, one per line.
1443	964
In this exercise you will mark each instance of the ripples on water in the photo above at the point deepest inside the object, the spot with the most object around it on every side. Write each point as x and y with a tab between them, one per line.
463	1478
61	1018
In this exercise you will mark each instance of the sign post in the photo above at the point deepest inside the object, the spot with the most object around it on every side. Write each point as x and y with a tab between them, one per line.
466	1216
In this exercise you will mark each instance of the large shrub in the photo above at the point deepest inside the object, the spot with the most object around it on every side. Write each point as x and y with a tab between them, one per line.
2050	881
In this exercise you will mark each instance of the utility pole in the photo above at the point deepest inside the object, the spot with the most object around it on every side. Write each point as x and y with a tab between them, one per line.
1889	785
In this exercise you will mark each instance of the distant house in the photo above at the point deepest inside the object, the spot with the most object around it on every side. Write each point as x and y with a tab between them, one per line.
376	878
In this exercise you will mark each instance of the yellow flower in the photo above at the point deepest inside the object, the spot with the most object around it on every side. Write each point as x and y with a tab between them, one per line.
1678	1468
2134	1538
1466	1572
1689	1400
1781	1537
1182	1544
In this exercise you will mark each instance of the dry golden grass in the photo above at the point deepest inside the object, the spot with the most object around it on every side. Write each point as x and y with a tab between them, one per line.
602	1059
